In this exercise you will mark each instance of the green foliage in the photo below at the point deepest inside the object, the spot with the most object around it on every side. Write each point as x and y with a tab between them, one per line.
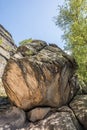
8	48
6	33
1	41
72	19
29	52
24	42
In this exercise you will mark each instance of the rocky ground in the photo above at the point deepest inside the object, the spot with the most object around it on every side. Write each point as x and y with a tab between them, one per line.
68	117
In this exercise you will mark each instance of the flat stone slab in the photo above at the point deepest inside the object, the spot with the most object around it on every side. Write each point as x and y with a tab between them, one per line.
38	113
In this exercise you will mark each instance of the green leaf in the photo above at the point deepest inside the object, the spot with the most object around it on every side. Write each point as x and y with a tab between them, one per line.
72	19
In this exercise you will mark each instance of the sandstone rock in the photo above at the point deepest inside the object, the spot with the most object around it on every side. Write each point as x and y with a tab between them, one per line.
7	48
18	55
39	78
4	53
79	106
43	78
57	121
2	90
3	63
12	118
38	113
6	40
32	48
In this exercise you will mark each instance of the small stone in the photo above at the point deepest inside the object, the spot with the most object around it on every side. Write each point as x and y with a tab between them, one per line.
38	113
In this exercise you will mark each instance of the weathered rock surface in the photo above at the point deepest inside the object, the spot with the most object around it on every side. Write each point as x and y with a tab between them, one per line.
42	76
7	48
79	107
2	90
84	90
12	118
38	113
57	121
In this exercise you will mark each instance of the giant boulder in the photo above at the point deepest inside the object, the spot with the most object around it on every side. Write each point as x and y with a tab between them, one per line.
40	75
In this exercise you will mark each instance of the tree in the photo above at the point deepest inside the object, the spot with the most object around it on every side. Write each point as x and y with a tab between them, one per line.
72	19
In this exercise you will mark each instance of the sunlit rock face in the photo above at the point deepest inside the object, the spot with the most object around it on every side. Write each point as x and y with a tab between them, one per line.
79	107
7	48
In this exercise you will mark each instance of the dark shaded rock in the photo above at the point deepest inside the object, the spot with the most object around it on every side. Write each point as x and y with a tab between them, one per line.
45	78
84	90
12	118
38	113
4	103
79	107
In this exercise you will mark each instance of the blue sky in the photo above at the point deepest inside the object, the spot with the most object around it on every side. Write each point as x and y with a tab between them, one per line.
31	19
